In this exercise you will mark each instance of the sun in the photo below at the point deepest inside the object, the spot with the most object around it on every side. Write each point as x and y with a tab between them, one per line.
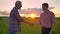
32	15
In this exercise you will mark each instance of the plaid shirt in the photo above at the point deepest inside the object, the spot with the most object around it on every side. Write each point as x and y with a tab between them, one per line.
14	20
47	19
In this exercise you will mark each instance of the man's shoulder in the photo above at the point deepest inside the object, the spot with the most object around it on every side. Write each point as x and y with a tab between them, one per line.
42	13
51	12
14	10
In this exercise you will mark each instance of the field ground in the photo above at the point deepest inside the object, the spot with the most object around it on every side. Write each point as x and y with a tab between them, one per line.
26	29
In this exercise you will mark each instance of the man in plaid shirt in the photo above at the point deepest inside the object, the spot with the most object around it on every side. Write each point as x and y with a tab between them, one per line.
15	19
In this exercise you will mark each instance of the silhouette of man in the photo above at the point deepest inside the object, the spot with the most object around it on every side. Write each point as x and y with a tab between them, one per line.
15	19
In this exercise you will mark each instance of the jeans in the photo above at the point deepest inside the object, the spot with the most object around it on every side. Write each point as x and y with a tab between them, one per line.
13	32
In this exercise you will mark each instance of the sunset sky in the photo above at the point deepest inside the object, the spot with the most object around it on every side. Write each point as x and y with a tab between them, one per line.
7	5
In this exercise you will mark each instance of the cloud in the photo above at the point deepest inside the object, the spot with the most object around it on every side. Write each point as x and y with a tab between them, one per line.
4	13
33	10
28	11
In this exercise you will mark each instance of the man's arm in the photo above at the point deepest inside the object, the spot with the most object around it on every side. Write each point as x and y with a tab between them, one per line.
38	21
17	16
27	21
52	17
53	20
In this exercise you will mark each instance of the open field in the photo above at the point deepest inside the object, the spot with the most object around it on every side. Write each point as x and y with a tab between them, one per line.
26	29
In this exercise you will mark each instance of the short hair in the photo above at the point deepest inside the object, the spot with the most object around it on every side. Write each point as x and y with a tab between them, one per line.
17	2
45	4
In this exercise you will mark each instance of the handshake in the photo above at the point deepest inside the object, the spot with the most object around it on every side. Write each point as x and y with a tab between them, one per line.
29	22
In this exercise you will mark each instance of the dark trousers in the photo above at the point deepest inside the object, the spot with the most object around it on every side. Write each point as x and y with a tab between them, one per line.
45	30
13	32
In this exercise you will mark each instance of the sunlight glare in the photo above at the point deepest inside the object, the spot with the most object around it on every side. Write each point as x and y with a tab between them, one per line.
32	15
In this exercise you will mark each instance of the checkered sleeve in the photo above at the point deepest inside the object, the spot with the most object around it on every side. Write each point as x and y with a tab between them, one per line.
17	16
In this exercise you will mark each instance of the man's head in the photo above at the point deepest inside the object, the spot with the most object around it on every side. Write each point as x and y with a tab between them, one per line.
45	6
18	4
